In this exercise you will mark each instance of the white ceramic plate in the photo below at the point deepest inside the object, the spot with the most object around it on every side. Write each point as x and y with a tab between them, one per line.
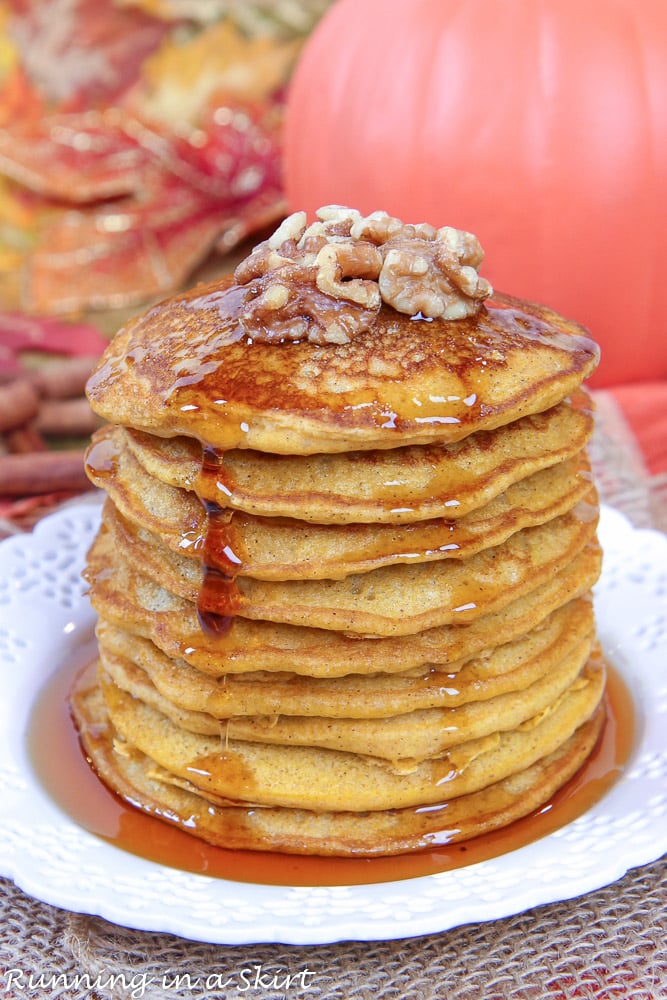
45	618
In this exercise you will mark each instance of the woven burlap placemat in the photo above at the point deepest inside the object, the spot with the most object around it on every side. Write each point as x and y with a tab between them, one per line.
606	944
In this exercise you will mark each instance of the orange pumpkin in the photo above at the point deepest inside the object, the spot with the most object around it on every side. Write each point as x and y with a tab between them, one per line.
539	125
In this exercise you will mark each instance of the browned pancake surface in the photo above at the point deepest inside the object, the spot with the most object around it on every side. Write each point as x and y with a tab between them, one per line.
186	367
129	598
395	486
138	780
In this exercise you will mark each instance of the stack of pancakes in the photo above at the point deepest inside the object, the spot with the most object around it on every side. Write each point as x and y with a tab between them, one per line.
343	589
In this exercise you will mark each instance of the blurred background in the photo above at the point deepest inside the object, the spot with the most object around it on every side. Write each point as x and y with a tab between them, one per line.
141	146
138	136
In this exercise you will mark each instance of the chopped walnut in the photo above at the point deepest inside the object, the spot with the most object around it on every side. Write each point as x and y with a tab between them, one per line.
286	304
343	268
378	227
262	260
292	228
327	281
436	278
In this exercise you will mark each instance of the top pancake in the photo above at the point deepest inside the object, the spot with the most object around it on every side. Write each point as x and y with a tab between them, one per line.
188	368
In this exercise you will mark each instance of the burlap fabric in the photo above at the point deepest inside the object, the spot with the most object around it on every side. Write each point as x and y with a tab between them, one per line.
607	944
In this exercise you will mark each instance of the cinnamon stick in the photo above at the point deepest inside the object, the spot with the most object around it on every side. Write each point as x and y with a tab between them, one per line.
46	472
64	379
66	417
19	402
23	440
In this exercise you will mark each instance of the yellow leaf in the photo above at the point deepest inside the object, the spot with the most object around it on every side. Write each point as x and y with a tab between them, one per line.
184	75
13	212
8	53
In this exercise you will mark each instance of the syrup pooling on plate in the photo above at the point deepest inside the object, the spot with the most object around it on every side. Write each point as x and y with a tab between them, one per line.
68	778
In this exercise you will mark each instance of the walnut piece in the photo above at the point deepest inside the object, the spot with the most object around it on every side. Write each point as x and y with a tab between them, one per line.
326	282
286	304
343	268
379	228
437	278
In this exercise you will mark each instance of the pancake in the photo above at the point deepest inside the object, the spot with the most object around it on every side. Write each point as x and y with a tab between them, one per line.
188	367
287	549
292	776
395	486
403	740
344	570
495	671
392	600
130	599
389	832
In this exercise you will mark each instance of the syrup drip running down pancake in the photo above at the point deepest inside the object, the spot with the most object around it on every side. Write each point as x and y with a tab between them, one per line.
343	576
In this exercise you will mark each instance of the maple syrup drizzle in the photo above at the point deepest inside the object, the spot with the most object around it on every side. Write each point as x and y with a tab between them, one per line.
102	458
72	783
219	598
